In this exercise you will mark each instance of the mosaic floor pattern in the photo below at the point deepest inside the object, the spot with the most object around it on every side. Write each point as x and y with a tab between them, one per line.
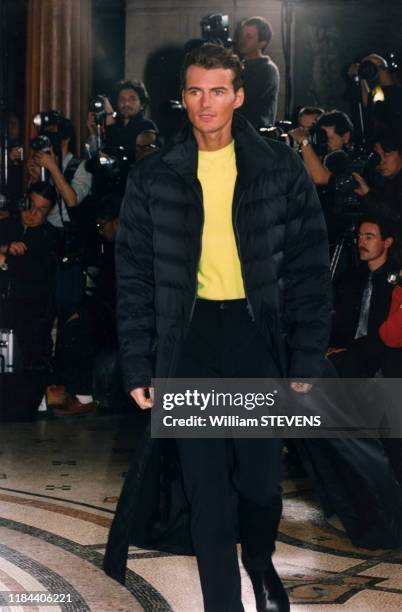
58	486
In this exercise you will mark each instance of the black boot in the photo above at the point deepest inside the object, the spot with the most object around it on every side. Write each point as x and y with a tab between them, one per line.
270	594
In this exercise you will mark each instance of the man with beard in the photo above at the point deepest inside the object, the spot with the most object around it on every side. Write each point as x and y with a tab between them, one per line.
130	122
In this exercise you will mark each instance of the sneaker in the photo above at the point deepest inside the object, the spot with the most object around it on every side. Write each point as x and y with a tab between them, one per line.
74	407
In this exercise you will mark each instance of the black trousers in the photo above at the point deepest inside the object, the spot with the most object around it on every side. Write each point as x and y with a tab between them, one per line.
233	485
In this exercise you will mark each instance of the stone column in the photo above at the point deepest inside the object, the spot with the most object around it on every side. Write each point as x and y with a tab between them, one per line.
58	67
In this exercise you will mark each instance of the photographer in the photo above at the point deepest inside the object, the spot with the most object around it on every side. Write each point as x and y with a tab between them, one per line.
123	129
336	131
260	74
67	174
385	194
28	262
380	90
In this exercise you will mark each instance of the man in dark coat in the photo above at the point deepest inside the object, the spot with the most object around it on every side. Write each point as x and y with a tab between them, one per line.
222	271
362	302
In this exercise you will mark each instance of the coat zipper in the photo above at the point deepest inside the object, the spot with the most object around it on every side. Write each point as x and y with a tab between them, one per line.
199	253
237	237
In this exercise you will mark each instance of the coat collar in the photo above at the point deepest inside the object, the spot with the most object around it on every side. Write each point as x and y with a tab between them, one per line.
253	153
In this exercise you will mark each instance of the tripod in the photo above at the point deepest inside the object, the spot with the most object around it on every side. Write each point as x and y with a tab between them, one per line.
346	247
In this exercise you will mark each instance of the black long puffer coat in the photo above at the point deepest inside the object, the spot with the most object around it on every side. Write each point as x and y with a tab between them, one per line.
281	239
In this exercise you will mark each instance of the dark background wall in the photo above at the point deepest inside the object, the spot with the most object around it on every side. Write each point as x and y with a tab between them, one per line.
108	44
331	34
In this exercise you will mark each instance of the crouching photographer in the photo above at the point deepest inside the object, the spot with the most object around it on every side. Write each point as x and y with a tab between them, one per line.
28	266
383	191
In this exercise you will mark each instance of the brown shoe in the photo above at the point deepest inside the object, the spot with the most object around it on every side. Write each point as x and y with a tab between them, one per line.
74	407
56	395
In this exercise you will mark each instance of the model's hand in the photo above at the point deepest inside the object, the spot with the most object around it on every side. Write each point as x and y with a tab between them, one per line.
301	387
46	160
140	397
17	248
363	188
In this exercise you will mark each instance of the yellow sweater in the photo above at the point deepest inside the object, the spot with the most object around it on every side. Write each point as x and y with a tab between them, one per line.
219	273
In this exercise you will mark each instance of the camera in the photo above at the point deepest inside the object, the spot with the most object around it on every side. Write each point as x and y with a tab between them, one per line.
44	120
368	71
41	143
97	107
112	162
343	182
215	29
280	131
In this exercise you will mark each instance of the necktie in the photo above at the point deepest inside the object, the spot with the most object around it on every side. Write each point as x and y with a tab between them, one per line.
365	308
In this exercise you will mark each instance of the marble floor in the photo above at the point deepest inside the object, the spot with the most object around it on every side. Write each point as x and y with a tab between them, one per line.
59	480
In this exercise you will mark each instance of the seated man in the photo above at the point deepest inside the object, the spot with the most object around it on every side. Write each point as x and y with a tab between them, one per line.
362	302
28	264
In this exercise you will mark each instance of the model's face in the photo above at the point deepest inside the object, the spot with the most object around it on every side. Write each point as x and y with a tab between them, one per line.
372	247
335	141
38	212
248	43
128	103
390	163
210	99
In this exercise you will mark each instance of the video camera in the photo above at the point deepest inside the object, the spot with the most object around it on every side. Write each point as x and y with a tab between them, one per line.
342	184
215	29
368	70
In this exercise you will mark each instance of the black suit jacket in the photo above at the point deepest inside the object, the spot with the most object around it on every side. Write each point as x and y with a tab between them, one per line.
347	302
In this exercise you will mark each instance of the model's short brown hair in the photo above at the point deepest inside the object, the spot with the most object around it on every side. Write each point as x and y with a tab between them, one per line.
210	55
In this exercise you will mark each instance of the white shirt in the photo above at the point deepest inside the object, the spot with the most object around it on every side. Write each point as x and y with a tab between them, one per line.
81	183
